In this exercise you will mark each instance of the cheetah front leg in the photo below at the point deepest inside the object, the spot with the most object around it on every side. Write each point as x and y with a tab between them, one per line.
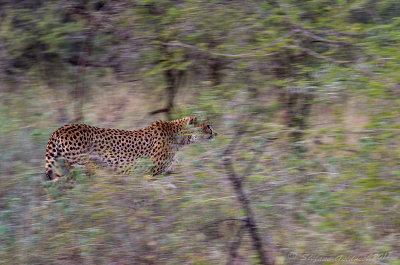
161	163
172	166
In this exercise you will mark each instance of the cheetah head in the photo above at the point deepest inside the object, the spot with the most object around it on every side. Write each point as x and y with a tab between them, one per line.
197	132
203	131
208	132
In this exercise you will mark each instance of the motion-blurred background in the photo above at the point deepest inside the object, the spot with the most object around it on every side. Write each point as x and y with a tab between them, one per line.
309	90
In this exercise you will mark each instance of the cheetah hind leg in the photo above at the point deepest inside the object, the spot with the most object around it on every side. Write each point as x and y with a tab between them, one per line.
57	177
148	174
55	173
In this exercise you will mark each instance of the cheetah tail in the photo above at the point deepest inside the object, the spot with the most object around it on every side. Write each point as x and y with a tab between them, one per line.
51	156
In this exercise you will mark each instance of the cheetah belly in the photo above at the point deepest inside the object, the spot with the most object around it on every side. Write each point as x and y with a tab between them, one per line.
118	153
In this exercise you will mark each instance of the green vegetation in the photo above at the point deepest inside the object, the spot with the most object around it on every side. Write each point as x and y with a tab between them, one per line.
308	91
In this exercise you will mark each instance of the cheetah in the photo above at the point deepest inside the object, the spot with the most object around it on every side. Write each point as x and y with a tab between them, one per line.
119	149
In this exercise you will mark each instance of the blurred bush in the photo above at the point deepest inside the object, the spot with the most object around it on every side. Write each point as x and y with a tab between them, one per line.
313	86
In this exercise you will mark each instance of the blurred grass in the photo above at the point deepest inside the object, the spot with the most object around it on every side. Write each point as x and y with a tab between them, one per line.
331	197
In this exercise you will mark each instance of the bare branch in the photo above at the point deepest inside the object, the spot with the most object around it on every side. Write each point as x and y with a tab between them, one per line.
159	111
218	222
265	254
317	55
315	37
257	52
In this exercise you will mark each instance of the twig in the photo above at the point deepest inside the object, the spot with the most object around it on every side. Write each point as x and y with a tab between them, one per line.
317	55
213	199
218	222
254	53
314	36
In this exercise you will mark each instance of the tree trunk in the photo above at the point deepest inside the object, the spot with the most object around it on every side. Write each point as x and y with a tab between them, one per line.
173	79
264	249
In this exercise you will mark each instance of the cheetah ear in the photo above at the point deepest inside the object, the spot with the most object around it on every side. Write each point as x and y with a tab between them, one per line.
192	120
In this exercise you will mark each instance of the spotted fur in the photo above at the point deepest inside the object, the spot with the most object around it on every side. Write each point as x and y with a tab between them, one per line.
119	149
